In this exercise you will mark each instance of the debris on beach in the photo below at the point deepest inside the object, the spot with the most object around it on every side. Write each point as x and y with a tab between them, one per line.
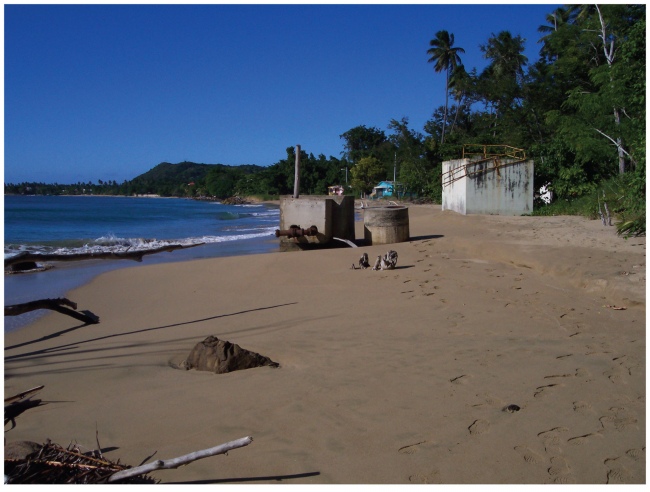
222	356
615	308
50	463
27	267
20	403
58	305
126	253
28	462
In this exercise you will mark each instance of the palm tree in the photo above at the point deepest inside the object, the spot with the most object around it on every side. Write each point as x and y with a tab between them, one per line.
460	83
556	20
506	53
445	57
505	73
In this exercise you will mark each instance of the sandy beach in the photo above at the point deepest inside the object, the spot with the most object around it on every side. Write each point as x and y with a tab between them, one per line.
386	377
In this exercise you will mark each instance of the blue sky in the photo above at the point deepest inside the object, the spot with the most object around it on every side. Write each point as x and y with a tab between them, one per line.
109	91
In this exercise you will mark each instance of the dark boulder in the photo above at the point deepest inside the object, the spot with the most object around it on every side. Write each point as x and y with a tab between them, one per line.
221	356
23	267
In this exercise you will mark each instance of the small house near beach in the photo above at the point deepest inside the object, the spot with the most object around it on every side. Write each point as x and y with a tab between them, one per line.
336	190
385	189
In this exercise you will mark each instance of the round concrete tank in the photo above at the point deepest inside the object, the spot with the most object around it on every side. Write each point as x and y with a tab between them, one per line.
386	225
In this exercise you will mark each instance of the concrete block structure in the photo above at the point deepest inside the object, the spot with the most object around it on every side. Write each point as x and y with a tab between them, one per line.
333	216
492	185
386	225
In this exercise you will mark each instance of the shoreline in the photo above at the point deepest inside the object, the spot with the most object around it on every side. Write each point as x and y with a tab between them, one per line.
397	376
65	277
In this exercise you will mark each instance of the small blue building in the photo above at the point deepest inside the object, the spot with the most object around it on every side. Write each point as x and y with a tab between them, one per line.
385	188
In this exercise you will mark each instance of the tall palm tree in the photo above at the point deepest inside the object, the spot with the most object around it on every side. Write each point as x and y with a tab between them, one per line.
556	20
506	53
460	84
445	57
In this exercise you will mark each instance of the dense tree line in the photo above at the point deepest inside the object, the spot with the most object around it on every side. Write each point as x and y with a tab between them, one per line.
579	112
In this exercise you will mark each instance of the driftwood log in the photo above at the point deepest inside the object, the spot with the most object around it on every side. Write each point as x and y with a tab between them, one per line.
17	404
54	305
53	464
24	394
27	257
180	461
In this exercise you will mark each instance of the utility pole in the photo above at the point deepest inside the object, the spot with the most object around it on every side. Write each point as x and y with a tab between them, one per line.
395	177
296	179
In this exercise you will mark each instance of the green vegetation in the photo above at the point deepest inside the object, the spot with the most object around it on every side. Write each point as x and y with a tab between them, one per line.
579	112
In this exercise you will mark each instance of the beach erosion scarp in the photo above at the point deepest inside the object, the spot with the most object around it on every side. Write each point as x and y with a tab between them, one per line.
408	375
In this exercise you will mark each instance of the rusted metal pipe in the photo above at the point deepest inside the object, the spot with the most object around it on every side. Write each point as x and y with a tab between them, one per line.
295	231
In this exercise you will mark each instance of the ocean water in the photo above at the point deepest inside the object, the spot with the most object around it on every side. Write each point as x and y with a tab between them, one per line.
92	224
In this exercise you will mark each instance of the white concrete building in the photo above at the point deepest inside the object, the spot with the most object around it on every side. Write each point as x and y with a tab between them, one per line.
488	185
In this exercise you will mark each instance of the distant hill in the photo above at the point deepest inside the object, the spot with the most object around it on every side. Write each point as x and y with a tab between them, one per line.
187	172
175	179
165	179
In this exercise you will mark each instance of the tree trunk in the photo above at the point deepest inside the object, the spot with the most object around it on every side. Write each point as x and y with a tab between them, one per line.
619	144
609	56
444	117
54	305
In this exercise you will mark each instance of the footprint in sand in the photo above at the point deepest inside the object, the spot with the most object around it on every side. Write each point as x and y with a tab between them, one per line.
542	391
559	376
479	427
431	477
410	448
619	423
560	471
624	368
627	363
582	373
529	455
620	419
563	356
462	379
580	440
582	407
551	438
489	400
617	473
635	454
615	375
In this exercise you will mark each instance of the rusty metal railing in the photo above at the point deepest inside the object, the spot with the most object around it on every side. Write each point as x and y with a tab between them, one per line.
487	151
493	156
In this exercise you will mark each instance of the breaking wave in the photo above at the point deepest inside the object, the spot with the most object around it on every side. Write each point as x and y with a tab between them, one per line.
112	244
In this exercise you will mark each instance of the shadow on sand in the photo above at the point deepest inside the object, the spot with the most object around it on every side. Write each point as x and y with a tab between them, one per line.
144	330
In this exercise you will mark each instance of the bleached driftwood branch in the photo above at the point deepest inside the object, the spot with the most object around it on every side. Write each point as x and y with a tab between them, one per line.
107	255
55	305
20	396
180	461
